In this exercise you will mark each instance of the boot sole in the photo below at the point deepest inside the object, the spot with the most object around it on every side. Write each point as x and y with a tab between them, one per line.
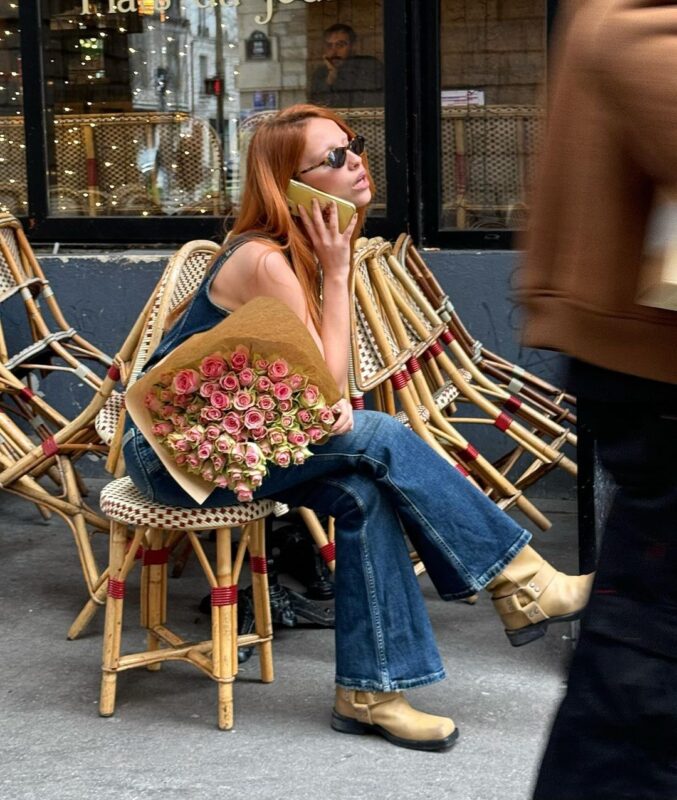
347	725
530	633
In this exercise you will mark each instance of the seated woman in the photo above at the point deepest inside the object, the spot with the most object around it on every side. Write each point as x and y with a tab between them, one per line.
374	476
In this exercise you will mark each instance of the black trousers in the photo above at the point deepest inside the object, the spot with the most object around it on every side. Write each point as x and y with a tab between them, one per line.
615	734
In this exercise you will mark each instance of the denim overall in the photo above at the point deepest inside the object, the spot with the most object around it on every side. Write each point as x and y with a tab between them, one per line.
376	480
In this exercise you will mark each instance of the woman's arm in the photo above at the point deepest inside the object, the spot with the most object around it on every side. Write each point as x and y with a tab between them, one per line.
333	252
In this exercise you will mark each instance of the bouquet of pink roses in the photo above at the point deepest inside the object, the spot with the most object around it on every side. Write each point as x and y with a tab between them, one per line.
232	415
221	407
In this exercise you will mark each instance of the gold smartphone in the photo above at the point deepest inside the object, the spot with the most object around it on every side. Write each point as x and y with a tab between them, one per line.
300	194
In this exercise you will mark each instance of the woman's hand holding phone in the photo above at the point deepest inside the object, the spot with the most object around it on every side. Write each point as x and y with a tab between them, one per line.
331	247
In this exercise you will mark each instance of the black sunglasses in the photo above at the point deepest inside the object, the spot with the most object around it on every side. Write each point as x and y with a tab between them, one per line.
336	157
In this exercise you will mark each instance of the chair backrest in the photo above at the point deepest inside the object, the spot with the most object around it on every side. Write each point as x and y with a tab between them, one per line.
370	365
181	277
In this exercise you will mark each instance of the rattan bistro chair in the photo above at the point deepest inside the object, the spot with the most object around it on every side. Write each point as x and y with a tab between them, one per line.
156	528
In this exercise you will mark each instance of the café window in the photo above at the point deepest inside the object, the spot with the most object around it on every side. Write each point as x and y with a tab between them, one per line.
492	78
12	147
151	103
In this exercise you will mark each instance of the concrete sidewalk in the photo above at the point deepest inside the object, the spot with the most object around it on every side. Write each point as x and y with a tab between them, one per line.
163	741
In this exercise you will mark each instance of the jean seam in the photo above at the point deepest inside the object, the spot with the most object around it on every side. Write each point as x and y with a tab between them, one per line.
377	625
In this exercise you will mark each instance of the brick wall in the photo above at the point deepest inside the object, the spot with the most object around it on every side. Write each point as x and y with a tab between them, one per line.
494	45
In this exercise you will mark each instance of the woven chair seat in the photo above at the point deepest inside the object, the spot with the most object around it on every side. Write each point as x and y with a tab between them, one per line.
107	419
423	413
122	501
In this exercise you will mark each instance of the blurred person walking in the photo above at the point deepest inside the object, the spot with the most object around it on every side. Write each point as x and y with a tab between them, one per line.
610	159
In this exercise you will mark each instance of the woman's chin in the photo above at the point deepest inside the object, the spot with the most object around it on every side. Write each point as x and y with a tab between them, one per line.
362	198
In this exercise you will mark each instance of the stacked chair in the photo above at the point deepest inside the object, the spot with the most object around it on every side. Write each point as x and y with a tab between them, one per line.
405	353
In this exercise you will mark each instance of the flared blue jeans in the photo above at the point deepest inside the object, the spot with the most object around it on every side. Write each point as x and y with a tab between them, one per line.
378	482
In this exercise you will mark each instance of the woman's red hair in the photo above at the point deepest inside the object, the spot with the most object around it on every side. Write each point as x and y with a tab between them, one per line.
273	159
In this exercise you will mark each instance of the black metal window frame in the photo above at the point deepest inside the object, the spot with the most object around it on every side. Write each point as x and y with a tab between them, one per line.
427	154
412	119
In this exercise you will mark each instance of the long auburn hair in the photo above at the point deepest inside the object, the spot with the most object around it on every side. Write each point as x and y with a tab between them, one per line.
273	159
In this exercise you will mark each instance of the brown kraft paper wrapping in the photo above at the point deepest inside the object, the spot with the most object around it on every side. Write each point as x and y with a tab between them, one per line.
266	327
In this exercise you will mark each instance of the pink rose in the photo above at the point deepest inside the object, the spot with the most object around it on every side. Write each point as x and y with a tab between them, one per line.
186	381
255	479
207	474
285	405
310	395
243	492
298	438
278	369
265	402
152	402
234	474
192	461
260	364
277	436
210	414
237	453
266	449
253	418
240	359
213	366
182	400
166	396
212	432
194	408
229	382
270	416
247	376
178	442
326	416
243	400
287	421
282	391
300	456
264	384
180	459
167	411
253	456
304	416
232	423
207	388
296	381
259	433
221	481
224	443
204	451
315	433
218	462
195	434
178	420
220	400
282	457
162	428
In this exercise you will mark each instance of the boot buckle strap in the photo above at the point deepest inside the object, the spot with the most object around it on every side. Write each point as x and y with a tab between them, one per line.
507	605
534	613
540	581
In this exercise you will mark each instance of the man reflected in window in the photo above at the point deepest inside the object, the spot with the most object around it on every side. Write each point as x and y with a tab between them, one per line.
346	80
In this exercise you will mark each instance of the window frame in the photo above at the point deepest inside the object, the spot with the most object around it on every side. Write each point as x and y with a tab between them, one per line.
411	32
432	234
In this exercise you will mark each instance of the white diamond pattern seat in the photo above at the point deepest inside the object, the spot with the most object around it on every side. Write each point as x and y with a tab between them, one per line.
122	501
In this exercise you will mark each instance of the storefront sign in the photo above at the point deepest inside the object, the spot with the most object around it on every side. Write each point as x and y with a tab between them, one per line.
130	6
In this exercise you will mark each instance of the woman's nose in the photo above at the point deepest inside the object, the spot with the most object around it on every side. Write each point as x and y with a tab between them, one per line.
353	160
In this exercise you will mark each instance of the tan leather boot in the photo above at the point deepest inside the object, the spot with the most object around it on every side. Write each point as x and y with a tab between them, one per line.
388	714
530	594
